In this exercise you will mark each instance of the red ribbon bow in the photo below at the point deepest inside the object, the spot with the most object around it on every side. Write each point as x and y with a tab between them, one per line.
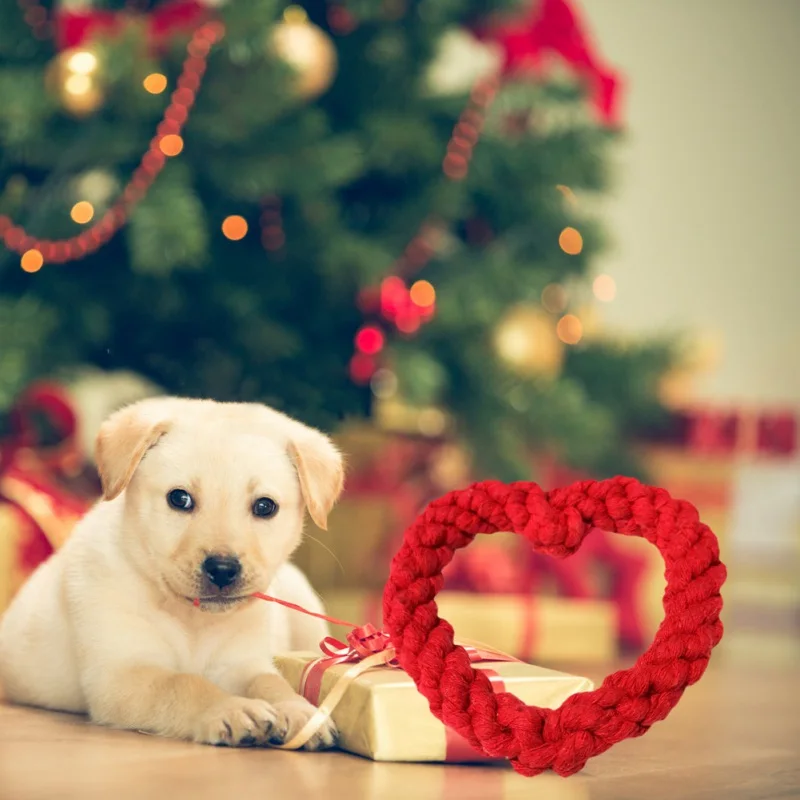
362	642
554	26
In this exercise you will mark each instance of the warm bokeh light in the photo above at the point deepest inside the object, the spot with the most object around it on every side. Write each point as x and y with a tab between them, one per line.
570	241
31	261
423	294
78	84
155	83
369	340
82	212
393	296
526	340
295	15
83	62
554	298
569	329
171	144
234	227
605	288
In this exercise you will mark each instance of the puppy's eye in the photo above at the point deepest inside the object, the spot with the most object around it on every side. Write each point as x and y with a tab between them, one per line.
265	507
180	500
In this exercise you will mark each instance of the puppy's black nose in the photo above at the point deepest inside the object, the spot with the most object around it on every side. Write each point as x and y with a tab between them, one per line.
222	571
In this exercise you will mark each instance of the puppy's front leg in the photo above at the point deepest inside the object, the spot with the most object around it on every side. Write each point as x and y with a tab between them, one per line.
258	681
179	705
293	710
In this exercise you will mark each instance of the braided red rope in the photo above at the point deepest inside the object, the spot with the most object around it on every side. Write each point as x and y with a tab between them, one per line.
556	522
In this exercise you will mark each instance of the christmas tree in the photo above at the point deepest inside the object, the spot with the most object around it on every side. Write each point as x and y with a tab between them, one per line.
349	201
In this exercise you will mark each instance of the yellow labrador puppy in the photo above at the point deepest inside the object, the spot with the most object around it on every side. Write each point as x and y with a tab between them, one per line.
201	500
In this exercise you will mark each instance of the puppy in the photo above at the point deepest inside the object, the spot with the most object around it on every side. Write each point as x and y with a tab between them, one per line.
200	500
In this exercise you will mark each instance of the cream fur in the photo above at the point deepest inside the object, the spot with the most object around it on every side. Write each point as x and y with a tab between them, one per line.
107	625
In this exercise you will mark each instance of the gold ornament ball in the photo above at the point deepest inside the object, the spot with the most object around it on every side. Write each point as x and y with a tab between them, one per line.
308	50
527	341
75	77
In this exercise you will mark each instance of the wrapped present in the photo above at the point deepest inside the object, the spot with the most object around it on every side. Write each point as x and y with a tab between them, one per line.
43	491
549	630
378	710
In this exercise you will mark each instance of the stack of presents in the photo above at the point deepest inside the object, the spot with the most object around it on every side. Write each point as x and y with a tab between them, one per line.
588	611
602	603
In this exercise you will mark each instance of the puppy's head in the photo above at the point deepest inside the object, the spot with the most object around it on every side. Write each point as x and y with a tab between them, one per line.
214	493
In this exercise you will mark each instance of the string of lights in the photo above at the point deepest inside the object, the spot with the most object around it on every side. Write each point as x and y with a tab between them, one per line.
166	143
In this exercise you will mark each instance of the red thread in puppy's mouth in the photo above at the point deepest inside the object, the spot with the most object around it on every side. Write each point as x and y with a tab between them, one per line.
294	607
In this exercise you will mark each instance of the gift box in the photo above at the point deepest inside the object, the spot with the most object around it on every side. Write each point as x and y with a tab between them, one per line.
549	630
382	716
43	491
35	520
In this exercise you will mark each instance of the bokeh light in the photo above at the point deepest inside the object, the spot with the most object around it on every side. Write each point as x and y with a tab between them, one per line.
82	212
423	294
604	288
234	227
155	83
369	340
570	241
554	298
83	62
569	329
31	261
171	144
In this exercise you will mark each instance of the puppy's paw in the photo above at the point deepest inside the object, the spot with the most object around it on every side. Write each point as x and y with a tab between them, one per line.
292	716
237	722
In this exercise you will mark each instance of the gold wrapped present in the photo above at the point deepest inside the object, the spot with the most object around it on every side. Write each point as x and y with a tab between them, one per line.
381	715
549	630
36	518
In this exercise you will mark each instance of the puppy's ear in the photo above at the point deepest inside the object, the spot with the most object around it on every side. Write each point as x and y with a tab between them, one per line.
123	440
321	471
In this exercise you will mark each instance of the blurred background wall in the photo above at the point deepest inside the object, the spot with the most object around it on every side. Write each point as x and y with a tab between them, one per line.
704	217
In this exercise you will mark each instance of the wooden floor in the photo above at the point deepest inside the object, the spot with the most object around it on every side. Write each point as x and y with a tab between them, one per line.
734	736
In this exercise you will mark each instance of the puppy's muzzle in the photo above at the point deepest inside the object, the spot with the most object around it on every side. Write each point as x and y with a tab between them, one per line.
222	571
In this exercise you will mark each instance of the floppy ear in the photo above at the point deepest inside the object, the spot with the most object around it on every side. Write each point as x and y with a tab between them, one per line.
320	469
123	440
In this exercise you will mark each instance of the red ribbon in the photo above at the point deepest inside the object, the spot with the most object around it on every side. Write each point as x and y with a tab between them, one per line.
365	641
49	400
74	28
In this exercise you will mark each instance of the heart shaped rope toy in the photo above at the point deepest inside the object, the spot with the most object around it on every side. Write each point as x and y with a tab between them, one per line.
556	522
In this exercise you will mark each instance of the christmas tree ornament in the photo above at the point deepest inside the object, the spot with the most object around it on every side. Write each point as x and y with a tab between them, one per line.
75	78
308	50
527	341
461	61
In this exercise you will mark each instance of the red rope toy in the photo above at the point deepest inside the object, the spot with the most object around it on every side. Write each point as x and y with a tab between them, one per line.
556	522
